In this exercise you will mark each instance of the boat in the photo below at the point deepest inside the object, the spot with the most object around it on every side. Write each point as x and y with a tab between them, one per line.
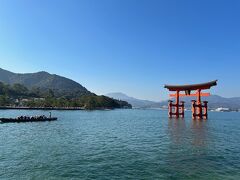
23	119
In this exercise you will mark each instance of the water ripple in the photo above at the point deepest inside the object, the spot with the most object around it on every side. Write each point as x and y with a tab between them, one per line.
120	144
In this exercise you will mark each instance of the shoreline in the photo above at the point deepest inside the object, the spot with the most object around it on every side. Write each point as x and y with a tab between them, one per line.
80	108
56	108
42	108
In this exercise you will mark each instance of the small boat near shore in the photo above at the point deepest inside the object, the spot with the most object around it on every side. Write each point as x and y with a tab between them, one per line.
23	119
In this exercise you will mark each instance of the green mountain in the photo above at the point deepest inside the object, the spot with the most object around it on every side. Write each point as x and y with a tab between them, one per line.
42	89
44	81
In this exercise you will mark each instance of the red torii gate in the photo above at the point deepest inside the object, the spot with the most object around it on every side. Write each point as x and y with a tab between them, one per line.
199	109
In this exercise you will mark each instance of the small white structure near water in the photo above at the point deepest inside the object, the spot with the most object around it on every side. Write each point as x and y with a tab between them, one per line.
221	109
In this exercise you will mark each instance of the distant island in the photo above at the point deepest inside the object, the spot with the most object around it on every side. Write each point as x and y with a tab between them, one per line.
47	91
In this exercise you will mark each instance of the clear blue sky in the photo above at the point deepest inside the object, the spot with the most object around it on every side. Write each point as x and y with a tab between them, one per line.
130	46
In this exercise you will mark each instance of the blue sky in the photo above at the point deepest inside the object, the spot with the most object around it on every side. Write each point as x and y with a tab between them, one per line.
130	46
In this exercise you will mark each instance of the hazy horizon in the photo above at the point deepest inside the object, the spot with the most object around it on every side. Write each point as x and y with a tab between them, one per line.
133	47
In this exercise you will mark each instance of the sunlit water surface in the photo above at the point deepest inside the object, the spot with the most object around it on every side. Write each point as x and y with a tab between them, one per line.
120	144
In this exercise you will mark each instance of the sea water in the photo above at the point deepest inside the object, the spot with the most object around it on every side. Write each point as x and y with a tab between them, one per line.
120	144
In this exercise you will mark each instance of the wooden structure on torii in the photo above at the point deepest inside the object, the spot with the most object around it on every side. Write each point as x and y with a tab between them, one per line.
199	108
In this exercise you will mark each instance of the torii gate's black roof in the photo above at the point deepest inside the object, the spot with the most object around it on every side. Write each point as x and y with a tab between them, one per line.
191	87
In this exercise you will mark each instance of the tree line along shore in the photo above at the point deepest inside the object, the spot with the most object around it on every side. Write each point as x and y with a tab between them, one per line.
17	96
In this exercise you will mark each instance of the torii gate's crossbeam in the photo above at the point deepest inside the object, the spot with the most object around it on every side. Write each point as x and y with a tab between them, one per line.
192	87
190	95
199	109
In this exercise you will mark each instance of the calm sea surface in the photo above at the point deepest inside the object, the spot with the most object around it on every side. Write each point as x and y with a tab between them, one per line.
120	144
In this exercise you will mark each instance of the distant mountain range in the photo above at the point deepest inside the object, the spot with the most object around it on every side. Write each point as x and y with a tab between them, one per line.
137	103
44	80
215	101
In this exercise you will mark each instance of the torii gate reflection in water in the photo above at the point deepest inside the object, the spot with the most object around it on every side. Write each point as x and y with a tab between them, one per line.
199	109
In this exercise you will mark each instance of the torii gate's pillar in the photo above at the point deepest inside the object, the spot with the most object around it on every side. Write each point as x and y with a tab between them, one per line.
199	103
176	109
177	105
199	109
205	109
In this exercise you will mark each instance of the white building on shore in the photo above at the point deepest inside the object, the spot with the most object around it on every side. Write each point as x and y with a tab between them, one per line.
221	109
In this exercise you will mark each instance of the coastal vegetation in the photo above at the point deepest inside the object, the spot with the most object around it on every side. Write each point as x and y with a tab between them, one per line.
17	95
